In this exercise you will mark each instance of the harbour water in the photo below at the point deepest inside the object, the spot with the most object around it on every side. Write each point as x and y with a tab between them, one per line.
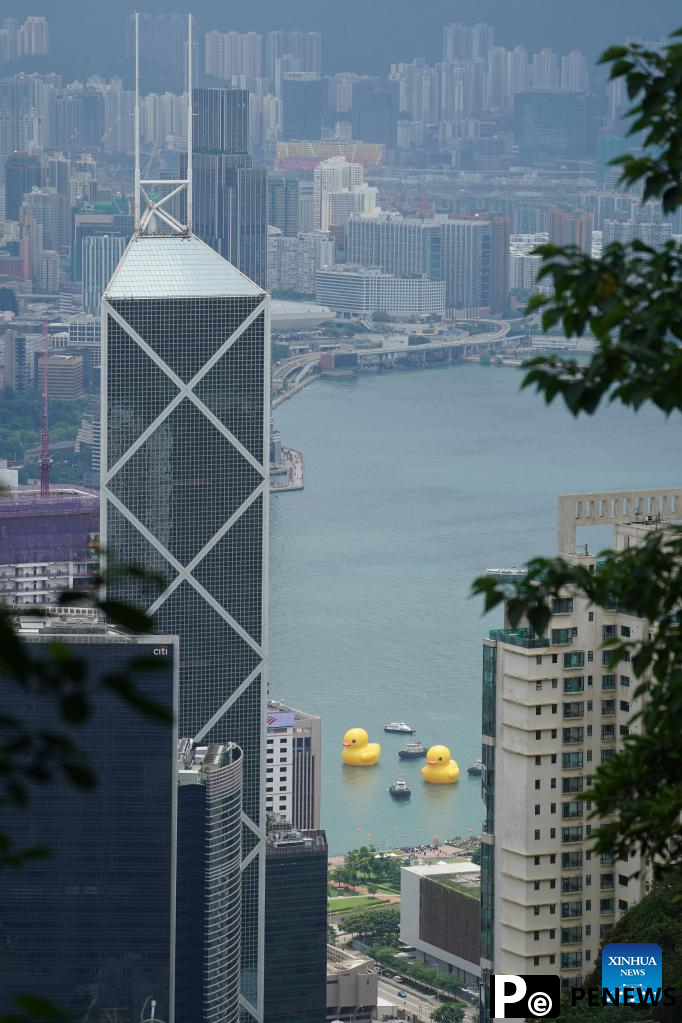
416	482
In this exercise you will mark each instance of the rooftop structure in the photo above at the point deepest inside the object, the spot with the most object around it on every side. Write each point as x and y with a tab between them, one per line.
34	528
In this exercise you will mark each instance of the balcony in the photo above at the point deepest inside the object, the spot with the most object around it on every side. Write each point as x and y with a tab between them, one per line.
525	638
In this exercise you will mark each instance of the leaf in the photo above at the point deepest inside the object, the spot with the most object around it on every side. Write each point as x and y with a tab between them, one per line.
39	1008
126	616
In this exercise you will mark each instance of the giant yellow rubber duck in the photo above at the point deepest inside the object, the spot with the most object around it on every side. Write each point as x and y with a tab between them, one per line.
440	768
357	750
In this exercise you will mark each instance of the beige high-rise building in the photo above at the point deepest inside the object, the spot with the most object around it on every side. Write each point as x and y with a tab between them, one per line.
292	769
554	709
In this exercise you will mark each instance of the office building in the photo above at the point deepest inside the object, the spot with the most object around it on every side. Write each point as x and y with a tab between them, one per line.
339	193
296	922
230	194
208	892
500	228
64	376
307	154
553	711
50	209
398	245
91	927
292	772
32	37
466	264
101	255
284	202
22	173
571	227
185	433
304	101
352	987
554	125
355	291
440	916
111	219
375	111
47	544
293	262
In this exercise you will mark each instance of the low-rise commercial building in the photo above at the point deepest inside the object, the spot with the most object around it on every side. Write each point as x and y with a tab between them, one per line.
352	987
356	292
440	905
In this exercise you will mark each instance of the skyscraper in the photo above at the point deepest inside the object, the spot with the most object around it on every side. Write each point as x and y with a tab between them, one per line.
553	710
230	194
101	254
304	99
284	201
185	444
92	925
375	111
570	227
22	172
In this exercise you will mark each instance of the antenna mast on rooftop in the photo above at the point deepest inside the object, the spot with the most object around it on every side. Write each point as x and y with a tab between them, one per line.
45	460
152	215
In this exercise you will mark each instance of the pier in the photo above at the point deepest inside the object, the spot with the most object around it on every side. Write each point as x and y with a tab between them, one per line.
288	473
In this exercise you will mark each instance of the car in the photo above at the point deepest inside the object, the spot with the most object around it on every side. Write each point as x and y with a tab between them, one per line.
402	994
398	979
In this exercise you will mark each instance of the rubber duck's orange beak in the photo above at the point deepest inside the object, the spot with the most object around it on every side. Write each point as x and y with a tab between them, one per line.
434	762
345	744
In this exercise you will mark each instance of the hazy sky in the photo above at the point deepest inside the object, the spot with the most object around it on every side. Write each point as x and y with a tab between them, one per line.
365	35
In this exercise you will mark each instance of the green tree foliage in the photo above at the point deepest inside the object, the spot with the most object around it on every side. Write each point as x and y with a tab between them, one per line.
426	976
20	421
448	1013
380	925
630	300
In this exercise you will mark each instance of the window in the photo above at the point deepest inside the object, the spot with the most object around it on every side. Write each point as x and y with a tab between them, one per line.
590	655
608	707
537	809
625	631
571	860
562	636
552	958
608	632
536	960
589	680
572	809
623	880
606	657
625	680
538	710
537	836
608	681
571	935
552	909
538	734
536	935
574	784
538	686
589	731
606	754
622	904
588	930
606	905
588	880
608	732
573	735
588	905
606	882
552	832
555	658
572	834
571	909
552	783
574	709
555	682
574	659
538	761
590	616
571	960
554	708
571	884
552	807
589	705
553	758
552	882
606	857
536	886
589	755
604	930
538	660
536	911
537	783
570	760
552	857
552	933
588	955
536	861
553	733
562	605
624	705
624	730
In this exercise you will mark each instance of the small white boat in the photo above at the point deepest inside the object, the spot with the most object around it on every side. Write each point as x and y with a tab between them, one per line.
398	726
476	768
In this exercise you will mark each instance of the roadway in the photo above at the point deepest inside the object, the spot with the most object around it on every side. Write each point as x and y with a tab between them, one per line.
417	1006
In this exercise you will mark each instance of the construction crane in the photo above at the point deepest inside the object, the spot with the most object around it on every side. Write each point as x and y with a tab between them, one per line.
45	460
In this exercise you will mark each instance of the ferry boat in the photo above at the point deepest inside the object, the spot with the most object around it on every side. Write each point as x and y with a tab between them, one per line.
400	789
398	726
476	767
413	750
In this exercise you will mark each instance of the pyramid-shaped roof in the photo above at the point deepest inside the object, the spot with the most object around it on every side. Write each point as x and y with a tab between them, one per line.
176	266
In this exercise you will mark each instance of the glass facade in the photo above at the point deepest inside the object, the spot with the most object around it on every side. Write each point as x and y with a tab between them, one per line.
296	927
90	927
185	495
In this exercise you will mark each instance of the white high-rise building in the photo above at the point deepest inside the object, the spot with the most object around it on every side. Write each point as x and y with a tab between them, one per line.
554	709
292	765
294	261
332	177
101	255
574	72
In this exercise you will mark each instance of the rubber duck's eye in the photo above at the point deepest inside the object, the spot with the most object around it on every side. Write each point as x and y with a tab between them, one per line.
440	758
354	740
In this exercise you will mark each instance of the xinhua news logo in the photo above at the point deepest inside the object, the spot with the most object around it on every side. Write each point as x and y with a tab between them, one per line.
513	996
631	966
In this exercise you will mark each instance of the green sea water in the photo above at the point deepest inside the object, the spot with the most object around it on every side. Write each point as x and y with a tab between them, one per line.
415	482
